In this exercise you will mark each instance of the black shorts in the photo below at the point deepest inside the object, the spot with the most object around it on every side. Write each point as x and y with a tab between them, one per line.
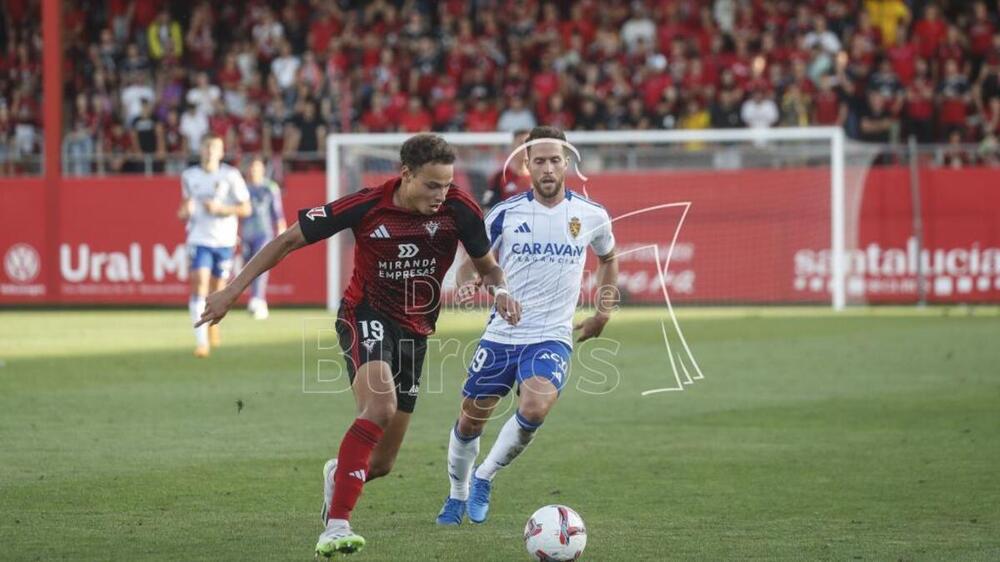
368	335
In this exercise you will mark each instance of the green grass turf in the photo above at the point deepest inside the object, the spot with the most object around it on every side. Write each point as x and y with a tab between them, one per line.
870	435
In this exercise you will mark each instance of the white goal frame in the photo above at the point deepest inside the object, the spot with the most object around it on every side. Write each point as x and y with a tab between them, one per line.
833	135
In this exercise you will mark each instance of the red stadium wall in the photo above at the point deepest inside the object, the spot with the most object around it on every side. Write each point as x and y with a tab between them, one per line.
121	243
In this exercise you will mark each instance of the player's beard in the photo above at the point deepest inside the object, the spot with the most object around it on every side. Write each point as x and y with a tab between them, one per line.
548	190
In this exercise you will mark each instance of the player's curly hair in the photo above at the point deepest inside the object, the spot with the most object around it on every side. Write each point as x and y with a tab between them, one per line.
426	149
545	132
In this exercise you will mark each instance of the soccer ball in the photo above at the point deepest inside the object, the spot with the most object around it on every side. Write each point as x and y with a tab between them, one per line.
555	533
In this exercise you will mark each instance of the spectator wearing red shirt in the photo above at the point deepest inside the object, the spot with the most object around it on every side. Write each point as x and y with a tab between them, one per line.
221	124
828	107
445	114
953	48
248	131
930	31
229	76
903	55
200	38
918	113
444	109
953	99
655	81
741	63
557	115
671	27
376	119
482	117
549	28
337	61
144	13
311	74
980	32
119	148
394	101
415	119
578	23
324	27
871	33
545	83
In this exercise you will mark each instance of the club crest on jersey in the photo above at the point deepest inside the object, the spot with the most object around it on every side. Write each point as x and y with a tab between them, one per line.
574	226
316	212
369	344
432	227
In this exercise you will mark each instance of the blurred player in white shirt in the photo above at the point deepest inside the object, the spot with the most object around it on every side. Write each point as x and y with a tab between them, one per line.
541	238
215	197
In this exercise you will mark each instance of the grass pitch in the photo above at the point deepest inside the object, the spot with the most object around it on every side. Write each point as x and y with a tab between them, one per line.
871	435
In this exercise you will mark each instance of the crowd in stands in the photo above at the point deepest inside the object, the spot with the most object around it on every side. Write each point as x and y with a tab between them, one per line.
146	80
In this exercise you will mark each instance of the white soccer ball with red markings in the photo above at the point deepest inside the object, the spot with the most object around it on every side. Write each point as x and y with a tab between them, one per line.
555	533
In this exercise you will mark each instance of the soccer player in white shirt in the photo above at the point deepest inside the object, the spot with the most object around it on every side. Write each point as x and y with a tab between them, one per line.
541	239
215	197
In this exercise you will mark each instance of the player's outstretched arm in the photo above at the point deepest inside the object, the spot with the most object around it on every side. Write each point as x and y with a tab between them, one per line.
495	282
467	280
218	303
607	298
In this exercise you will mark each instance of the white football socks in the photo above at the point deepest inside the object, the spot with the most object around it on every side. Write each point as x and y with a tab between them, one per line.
515	435
196	305
462	453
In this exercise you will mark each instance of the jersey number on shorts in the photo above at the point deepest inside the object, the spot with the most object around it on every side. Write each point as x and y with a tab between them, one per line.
479	359
371	329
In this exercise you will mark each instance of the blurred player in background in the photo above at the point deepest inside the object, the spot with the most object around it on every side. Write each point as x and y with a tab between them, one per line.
407	231
509	181
266	221
541	237
215	197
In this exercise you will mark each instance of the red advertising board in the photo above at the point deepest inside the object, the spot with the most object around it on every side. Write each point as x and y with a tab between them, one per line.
749	236
120	242
23	239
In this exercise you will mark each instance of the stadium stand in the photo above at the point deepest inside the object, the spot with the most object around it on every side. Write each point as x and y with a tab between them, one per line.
145	80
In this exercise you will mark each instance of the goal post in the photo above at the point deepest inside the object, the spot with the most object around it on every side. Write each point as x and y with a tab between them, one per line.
744	159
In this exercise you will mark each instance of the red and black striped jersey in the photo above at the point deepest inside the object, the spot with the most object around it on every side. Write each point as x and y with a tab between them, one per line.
400	257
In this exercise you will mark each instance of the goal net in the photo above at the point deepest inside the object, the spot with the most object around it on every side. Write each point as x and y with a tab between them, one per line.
719	217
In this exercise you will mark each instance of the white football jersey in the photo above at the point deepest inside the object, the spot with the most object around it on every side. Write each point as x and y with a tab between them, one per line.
226	186
542	251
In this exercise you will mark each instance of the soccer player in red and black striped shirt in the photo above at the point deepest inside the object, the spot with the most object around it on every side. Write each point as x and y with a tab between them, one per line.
407	231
